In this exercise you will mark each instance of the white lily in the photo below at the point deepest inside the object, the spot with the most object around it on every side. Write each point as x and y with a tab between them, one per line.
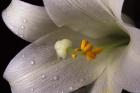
36	68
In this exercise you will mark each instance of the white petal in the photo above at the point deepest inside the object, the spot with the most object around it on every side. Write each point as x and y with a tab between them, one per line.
106	85
90	17
108	82
40	71
129	70
127	20
129	73
115	6
27	21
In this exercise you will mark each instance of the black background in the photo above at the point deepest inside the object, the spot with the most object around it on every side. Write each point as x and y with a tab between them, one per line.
10	44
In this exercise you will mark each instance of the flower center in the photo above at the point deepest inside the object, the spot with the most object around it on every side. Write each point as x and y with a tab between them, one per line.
87	49
63	47
106	44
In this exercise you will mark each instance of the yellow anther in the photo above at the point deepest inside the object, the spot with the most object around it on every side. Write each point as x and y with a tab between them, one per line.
87	47
97	50
74	56
87	50
89	58
77	49
83	44
90	55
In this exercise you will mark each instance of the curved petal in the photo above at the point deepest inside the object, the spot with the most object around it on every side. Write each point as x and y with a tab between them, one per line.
127	20
108	82
83	16
27	21
36	68
128	72
115	6
85	89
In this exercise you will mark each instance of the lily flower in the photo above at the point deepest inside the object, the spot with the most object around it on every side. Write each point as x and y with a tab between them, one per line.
107	57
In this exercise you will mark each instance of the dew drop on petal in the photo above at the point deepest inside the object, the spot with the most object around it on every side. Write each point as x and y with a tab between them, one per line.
43	76
62	91
32	89
32	62
70	88
23	56
22	27
55	78
24	20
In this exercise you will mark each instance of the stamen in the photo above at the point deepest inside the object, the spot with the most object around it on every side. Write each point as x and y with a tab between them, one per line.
87	50
88	47
77	49
90	55
74	56
97	50
64	47
83	44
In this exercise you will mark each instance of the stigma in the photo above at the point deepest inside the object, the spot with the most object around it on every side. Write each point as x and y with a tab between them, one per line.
62	47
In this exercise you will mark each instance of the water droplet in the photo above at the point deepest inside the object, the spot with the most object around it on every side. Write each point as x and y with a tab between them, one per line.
55	78
70	88
32	89
22	27
62	91
23	56
24	20
32	62
43	76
